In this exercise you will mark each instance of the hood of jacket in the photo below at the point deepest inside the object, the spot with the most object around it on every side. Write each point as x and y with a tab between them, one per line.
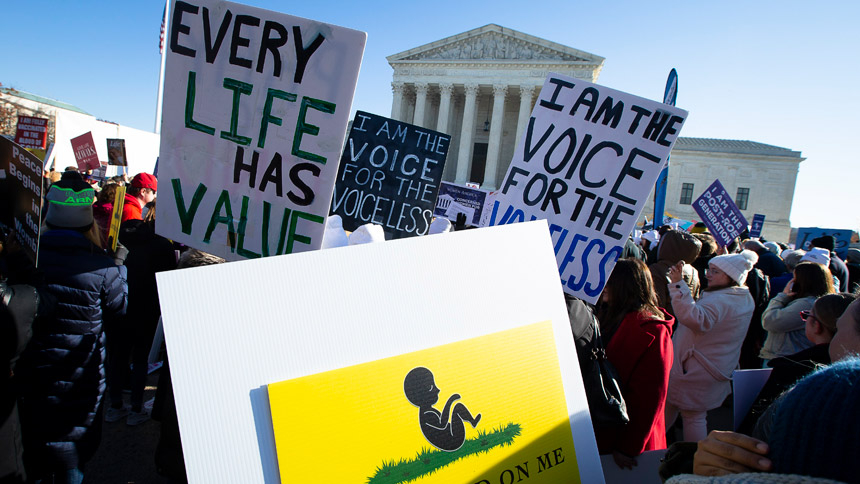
676	246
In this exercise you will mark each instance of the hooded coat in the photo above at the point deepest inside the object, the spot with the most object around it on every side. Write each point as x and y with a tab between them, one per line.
62	370
132	209
675	246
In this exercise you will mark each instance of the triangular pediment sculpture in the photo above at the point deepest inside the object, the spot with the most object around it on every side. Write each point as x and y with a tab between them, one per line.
494	43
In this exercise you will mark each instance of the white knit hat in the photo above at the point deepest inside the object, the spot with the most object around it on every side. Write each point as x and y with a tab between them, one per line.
817	254
651	236
366	234
440	226
736	266
772	247
334	235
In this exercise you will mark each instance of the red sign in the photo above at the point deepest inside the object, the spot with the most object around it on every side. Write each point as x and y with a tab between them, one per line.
85	152
32	132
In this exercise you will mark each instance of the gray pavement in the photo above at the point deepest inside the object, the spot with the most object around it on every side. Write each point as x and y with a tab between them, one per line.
127	454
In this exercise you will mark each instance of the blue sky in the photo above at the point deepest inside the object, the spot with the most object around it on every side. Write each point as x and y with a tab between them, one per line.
778	72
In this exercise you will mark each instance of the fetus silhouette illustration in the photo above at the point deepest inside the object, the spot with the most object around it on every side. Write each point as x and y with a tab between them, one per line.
444	430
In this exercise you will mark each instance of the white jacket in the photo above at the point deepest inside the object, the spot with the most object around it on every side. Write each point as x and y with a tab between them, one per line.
707	344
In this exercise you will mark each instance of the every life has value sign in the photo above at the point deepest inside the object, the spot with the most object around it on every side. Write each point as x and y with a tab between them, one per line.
389	175
256	105
586	163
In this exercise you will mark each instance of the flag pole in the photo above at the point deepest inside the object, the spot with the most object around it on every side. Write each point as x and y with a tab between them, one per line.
669	97
162	41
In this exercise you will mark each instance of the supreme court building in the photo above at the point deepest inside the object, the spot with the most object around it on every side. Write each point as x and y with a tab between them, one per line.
480	87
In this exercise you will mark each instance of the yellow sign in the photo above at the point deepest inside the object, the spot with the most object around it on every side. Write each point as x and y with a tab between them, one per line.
116	217
481	411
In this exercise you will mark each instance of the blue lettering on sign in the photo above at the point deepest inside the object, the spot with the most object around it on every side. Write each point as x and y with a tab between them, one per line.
569	248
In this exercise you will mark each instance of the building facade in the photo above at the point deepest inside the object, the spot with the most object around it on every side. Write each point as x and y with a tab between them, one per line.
480	87
759	177
66	121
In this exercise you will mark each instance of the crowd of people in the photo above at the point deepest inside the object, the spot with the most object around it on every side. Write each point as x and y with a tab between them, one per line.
678	315
676	328
83	323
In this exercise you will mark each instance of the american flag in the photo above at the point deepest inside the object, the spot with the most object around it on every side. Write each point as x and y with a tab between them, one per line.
161	35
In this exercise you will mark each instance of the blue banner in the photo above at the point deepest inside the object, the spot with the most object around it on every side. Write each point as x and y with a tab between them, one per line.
669	97
720	214
842	236
757	224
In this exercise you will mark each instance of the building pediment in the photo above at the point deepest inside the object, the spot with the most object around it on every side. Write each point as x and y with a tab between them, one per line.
494	43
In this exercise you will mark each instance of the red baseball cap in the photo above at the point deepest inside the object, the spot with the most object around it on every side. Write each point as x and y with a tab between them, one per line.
145	180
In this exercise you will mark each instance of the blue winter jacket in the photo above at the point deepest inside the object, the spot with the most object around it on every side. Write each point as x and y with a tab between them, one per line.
62	369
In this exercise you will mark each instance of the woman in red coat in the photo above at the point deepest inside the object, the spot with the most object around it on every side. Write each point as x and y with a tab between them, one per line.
637	335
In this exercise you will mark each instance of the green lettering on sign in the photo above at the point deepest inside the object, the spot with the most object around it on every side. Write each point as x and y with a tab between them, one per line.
243	223
226	219
267	112
238	88
293	237
186	217
302	127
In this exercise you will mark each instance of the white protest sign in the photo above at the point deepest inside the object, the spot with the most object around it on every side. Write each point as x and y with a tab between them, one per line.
256	105
487	210
455	209
586	163
238	331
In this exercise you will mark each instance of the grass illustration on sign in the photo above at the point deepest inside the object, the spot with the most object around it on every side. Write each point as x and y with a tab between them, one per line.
477	410
429	461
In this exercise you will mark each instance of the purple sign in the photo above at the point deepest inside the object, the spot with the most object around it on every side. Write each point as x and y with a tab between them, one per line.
720	214
757	224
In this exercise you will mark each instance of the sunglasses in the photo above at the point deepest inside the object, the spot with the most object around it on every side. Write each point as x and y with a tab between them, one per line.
804	315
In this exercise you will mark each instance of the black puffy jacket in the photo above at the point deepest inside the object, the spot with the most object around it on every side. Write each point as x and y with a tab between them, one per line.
62	369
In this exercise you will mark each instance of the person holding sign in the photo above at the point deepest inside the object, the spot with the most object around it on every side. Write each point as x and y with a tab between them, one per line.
103	208
708	339
638	338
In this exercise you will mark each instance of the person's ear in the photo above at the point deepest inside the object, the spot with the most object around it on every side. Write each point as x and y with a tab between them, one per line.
816	327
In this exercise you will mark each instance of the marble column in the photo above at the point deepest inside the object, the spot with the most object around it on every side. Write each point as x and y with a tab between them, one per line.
464	157
526	94
445	91
397	101
420	103
499	93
